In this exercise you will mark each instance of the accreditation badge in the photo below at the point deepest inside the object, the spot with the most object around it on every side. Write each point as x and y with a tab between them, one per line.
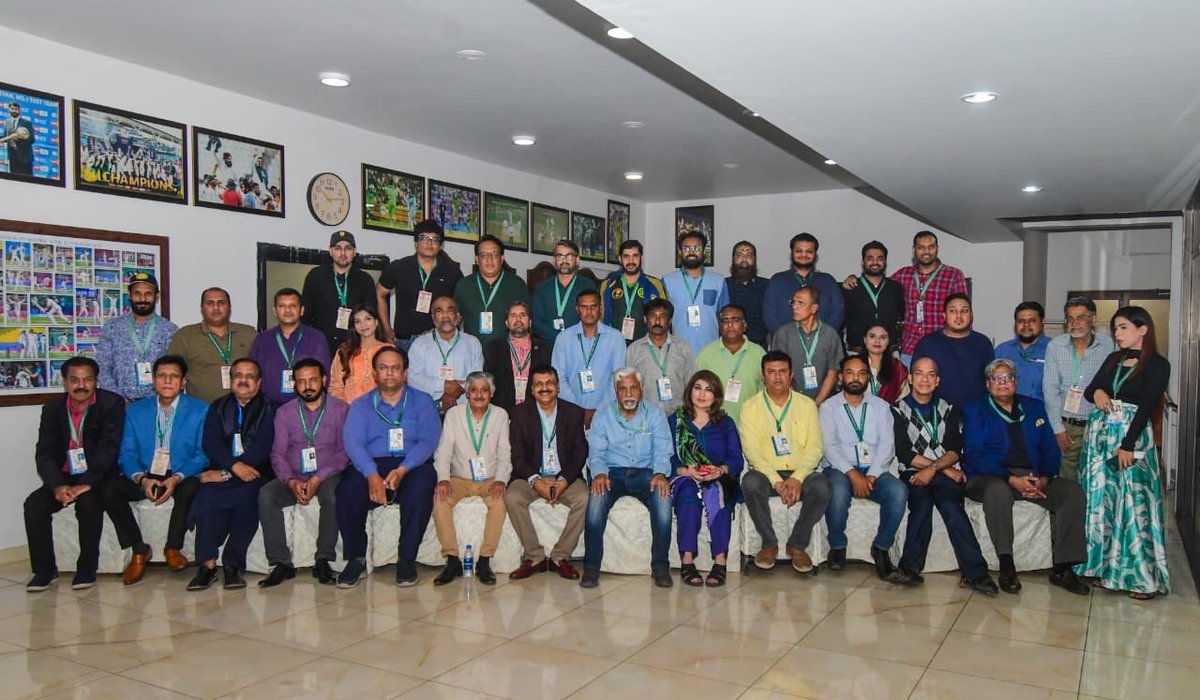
225	381
161	464
520	387
478	469
559	324
343	318
810	377
693	315
862	454
733	390
238	450
445	373
77	461
920	311
550	465
780	442
664	388
586	383
424	301
485	322
308	460
145	374
396	440
628	325
287	382
1073	403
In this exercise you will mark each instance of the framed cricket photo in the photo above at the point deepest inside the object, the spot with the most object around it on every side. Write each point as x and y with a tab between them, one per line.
457	208
549	224
695	220
392	201
507	218
588	233
618	229
129	154
31	148
236	173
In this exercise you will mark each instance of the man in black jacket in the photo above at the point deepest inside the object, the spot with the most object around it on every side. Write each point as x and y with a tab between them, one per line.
78	441
509	360
333	290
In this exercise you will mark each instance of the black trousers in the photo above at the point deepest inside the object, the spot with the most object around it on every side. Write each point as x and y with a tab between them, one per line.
120	491
40	507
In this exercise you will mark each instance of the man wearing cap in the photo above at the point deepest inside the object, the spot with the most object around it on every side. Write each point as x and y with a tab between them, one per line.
276	350
130	344
417	280
211	346
333	289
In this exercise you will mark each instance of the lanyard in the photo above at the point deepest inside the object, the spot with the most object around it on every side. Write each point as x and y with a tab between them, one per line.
239	418
804	280
925	287
289	358
587	356
1004	415
516	360
1077	361
343	288
426	275
553	431
862	415
477	442
874	382
163	432
394	422
311	435
138	343
1120	376
930	426
487	301
446	353
687	282
735	360
662	365
630	294
809	350
643	428
780	418
77	432
872	292
560	301
227	353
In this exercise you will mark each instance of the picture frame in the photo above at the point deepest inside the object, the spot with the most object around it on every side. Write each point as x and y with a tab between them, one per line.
588	233
458	209
507	218
39	157
255	169
402	204
617	230
548	226
697	218
111	144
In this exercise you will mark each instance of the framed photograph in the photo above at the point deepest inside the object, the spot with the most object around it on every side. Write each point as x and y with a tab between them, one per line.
550	224
392	201
618	229
588	233
133	155
31	148
507	218
457	208
236	173
695	220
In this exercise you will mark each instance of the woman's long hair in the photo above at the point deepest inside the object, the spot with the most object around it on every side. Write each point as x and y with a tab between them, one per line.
352	345
886	368
716	413
1140	318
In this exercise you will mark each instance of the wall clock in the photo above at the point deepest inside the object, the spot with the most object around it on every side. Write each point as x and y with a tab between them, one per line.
328	199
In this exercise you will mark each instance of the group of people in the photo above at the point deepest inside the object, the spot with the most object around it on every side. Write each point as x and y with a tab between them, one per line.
690	394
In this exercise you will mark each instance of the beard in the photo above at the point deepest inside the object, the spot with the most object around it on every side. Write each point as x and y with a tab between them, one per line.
693	263
142	308
1027	339
744	270
311	394
855	388
629	404
873	269
631	268
565	269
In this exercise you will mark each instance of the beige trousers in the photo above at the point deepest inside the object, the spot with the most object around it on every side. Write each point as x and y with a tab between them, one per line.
443	516
521	495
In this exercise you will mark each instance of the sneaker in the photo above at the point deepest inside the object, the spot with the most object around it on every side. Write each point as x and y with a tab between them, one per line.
355	571
801	562
83	580
41	582
406	573
765	559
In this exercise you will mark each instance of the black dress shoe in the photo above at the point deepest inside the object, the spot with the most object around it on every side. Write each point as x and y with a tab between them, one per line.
1068	581
233	578
204	578
904	577
836	560
323	572
452	570
406	573
279	574
883	562
662	578
483	571
590	579
1009	583
985	585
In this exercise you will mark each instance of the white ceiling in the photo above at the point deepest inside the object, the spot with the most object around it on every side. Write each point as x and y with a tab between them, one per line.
539	77
1098	100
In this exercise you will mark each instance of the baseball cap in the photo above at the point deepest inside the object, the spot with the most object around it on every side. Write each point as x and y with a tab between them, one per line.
339	236
142	277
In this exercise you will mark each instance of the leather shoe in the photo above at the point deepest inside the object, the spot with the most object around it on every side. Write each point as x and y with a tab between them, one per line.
903	577
527	569
836	560
1009	583
204	578
765	559
452	570
136	568
279	574
1068	581
175	560
662	578
564	569
483	571
590	579
323	572
883	562
985	585
232	576
801	562
406	573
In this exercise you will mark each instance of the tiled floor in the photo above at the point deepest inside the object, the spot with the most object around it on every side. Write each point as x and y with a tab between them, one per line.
769	635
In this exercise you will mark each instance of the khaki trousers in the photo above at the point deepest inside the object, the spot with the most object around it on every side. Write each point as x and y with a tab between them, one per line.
443	516
521	495
1069	467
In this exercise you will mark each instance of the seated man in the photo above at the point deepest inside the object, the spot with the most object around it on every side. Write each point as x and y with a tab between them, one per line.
390	435
1010	452
162	453
859	449
630	455
781	435
548	453
74	458
928	434
238	433
472	459
308	458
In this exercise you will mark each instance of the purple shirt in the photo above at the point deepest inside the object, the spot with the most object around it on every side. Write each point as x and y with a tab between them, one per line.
306	341
290	440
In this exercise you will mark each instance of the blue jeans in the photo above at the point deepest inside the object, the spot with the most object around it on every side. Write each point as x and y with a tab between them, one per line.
946	495
889	492
628	481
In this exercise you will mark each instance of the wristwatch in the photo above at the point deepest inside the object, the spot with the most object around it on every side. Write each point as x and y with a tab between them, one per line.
226	475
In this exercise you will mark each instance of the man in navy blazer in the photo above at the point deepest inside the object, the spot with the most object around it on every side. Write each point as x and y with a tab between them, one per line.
162	453
1010	453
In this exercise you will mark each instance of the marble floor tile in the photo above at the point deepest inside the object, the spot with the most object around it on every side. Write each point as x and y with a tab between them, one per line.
130	644
500	616
1161	644
116	688
329	679
944	685
656	683
642	599
598	633
34	674
432	690
815	673
325	629
1164	611
1009	660
875	638
775	619
1058	629
716	655
523	670
49	625
1122	677
237	611
1037	594
412	603
419	649
932	608
219	667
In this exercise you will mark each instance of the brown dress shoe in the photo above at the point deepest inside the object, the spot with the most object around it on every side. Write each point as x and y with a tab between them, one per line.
765	559
565	570
527	569
175	559
137	567
800	560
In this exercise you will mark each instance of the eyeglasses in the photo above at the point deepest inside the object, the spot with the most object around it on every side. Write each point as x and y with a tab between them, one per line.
564	256
1002	378
692	248
429	238
797	302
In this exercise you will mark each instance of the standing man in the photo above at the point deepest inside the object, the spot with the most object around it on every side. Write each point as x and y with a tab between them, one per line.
960	353
630	455
664	361
19	137
548	455
209	347
334	289
588	353
802	273
1027	351
554	298
130	344
1072	360
696	294
74	457
734	359
927	284
276	350
390	435
308	458
509	360
416	279
813	345
442	358
748	290
485	294
875	299
626	292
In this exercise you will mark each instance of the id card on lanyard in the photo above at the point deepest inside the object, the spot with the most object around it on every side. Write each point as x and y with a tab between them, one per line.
237	447
628	323
922	289
161	463
520	370
862	453
342	289
587	383
663	383
395	432
733	388
810	371
779	440
145	374
287	383
226	356
486	325
424	297
476	463
446	370
76	459
693	309
550	465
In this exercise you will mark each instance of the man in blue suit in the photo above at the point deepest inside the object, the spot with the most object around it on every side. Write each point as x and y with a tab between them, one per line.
1010	453
162	453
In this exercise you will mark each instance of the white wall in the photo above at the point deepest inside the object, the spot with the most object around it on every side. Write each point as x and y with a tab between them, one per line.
1105	260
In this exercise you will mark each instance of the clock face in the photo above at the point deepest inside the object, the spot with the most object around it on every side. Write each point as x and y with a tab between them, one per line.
328	199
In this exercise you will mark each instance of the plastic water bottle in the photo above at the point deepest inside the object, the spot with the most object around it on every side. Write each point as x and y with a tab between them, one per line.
469	563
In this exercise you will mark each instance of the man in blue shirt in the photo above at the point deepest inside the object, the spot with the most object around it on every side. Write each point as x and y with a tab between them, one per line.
586	355
629	449
960	353
1027	351
443	357
129	344
697	295
390	436
803	273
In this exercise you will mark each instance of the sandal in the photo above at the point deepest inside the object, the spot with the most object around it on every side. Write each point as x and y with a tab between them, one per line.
716	577
690	575
1142	596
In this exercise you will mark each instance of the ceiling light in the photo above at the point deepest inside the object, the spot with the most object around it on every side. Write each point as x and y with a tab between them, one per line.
830	161
470	54
1031	189
633	175
618	33
730	166
335	79
633	124
751	113
978	98
524	140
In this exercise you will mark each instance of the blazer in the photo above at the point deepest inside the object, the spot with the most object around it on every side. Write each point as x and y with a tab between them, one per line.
525	433
187	436
497	360
985	439
101	439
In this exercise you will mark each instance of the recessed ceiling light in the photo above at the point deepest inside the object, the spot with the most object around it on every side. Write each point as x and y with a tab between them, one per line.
830	161
978	98
470	54
633	175
751	113
618	33
730	166
633	124
335	79
524	140
1031	189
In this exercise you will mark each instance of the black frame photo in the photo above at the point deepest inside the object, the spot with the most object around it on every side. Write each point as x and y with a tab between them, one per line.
235	159
42	115
696	219
500	219
617	231
543	228
457	230
376	213
588	233
108	161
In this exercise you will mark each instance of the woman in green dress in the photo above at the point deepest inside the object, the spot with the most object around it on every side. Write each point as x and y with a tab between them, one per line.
1119	469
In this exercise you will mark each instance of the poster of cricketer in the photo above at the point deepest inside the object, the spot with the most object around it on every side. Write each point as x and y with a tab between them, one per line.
119	152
